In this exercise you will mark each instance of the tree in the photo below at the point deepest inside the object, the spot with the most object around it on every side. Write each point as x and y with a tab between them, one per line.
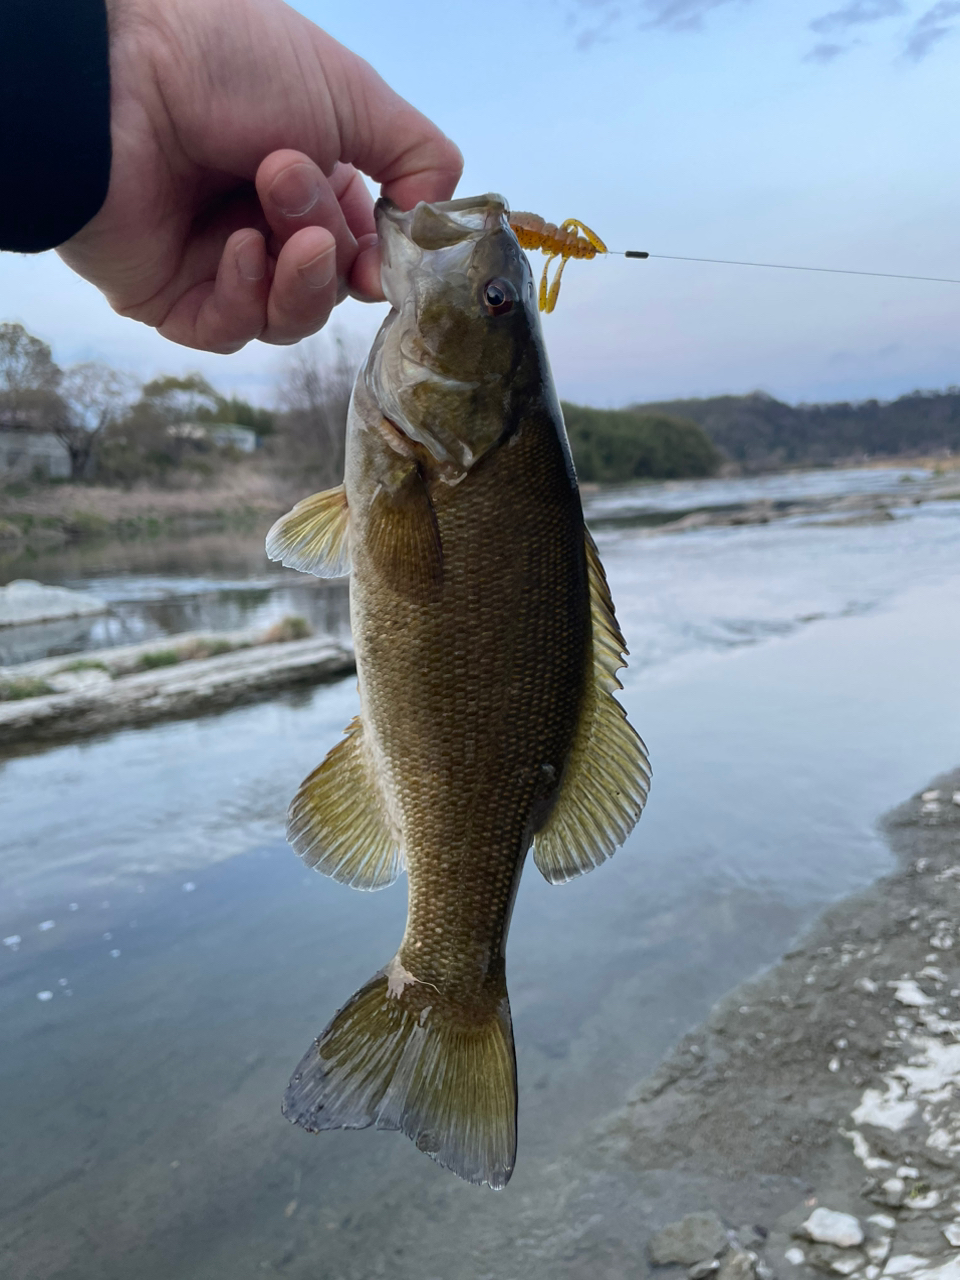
315	393
95	396
241	413
626	444
187	399
29	379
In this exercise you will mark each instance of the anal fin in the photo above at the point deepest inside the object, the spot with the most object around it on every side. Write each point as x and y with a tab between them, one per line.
313	536
337	823
607	778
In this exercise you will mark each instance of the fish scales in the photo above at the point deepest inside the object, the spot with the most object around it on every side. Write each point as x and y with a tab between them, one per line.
476	696
487	651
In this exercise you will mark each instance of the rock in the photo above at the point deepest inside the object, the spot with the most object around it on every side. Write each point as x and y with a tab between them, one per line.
695	1238
907	992
826	1226
184	689
952	1232
752	1237
796	1257
24	601
77	681
834	1260
700	1270
879	1237
892	1192
737	1265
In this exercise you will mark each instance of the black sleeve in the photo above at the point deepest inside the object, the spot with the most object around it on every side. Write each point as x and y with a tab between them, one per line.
54	119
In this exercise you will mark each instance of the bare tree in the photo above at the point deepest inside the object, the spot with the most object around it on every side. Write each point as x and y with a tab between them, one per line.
29	378
315	394
95	396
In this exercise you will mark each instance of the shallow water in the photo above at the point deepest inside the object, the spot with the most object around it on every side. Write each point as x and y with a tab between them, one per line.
161	587
792	683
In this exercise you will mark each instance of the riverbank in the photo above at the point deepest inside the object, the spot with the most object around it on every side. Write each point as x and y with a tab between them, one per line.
828	510
832	1081
40	517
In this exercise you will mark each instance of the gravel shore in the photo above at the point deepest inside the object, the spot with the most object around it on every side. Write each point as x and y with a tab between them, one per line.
832	1082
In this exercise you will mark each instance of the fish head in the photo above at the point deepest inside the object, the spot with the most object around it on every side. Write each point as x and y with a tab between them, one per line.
462	349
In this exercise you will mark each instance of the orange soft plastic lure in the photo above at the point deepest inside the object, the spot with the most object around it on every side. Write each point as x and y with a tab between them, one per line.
571	239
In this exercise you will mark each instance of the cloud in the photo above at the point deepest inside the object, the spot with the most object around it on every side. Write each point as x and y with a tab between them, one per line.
680	15
856	13
931	28
600	17
827	52
672	15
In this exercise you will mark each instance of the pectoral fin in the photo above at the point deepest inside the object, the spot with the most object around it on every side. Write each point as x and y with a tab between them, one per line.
607	777
313	536
403	538
337	823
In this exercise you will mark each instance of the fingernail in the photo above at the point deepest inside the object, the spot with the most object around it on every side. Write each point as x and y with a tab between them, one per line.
318	272
250	259
296	190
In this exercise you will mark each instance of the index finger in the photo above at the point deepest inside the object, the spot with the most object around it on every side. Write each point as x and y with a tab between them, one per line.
387	138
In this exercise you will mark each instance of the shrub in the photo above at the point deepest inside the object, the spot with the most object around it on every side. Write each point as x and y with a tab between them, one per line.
158	658
23	687
290	628
628	444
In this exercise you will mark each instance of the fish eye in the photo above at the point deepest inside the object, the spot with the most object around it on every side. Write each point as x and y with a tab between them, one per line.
499	296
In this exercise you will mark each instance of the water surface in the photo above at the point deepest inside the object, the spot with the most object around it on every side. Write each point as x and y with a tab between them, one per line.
792	683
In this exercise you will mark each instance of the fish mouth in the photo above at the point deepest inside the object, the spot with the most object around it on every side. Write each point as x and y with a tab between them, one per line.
447	231
443	223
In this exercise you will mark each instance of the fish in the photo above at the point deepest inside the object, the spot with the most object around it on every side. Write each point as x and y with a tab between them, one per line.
487	651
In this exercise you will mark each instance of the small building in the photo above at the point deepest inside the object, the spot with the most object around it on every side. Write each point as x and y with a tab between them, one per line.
225	435
24	452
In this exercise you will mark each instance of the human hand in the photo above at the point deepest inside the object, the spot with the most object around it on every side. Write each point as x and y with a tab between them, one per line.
236	209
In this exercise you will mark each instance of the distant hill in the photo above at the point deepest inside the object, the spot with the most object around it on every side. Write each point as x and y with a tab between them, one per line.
637	444
761	433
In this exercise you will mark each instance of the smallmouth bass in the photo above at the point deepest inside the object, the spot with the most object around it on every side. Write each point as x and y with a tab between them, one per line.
487	650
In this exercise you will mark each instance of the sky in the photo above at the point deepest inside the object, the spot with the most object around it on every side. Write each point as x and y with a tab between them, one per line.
817	132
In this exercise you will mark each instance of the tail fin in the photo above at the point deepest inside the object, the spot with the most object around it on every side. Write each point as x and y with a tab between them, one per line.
399	1062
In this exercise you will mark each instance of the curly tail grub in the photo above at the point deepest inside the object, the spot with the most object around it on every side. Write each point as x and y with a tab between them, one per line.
563	242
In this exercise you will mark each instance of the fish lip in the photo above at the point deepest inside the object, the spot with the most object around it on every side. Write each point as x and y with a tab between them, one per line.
488	211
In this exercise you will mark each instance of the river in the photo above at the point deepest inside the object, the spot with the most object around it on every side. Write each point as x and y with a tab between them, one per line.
793	680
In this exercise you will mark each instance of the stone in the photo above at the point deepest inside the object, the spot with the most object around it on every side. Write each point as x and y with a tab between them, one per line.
700	1270
893	1191
751	1236
24	601
78	681
834	1260
827	1226
695	1238
737	1265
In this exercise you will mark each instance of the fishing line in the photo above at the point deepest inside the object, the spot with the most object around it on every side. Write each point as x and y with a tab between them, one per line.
574	239
783	266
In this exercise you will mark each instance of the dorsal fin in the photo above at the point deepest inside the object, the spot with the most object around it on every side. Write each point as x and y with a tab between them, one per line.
313	536
607	777
336	821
